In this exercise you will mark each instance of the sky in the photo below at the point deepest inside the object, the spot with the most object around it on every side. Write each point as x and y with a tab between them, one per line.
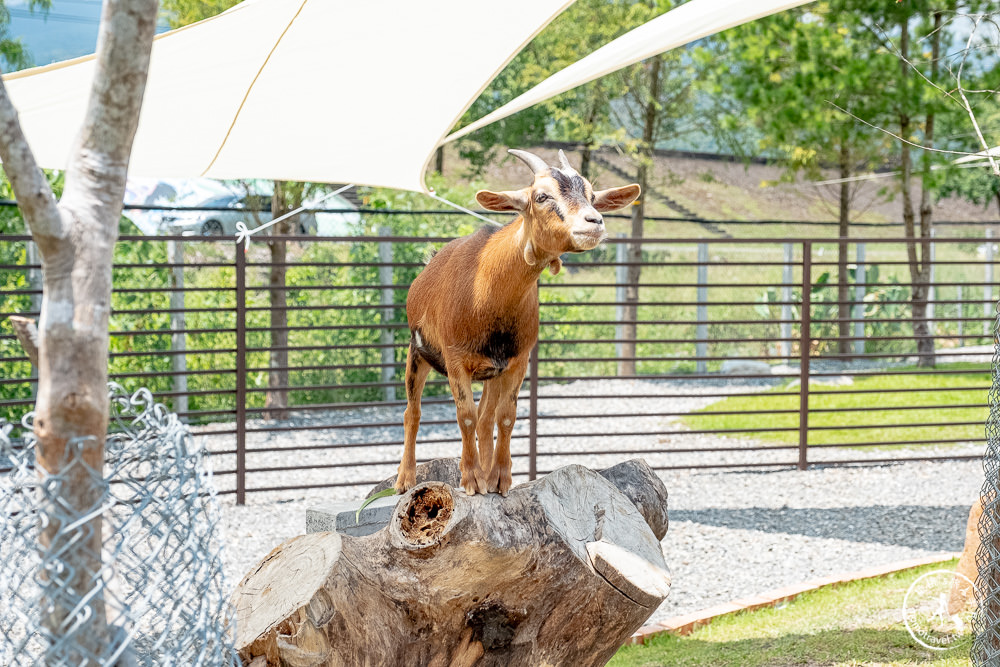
67	31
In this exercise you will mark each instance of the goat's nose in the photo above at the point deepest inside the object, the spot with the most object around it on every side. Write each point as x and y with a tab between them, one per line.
595	218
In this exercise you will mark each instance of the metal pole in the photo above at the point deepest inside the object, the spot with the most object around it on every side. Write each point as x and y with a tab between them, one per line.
621	277
988	287
178	340
959	307
241	375
860	288
787	276
804	344
701	329
386	337
34	259
533	414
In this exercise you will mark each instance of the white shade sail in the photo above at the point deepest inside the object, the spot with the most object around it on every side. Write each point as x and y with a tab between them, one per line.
305	90
689	22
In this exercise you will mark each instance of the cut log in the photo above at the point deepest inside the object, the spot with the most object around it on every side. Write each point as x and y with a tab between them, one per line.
560	572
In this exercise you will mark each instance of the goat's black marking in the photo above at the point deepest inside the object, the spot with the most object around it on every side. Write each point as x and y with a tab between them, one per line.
489	230
459	395
500	345
571	188
558	211
427	352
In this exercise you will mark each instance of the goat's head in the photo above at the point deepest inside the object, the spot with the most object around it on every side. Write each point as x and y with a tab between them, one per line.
561	210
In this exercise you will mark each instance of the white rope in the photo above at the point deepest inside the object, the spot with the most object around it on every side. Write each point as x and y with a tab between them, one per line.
243	234
889	174
463	209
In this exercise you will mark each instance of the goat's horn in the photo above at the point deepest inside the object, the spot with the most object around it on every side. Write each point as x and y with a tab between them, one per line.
536	163
563	162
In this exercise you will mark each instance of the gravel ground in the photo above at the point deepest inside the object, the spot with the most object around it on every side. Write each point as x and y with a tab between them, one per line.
732	534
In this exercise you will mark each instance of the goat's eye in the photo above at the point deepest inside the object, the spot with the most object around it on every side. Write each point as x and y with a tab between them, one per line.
540	197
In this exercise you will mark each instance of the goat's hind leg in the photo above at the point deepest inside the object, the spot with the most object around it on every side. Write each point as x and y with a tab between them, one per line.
416	375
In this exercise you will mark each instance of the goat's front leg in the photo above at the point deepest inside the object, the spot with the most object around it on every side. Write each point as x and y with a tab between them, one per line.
416	375
486	423
506	414
473	479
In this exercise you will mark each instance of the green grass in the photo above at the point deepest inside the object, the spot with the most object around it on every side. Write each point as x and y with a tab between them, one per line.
857	624
944	400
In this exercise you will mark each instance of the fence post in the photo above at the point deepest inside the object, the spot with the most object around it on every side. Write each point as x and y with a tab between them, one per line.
34	276
387	336
621	277
178	340
785	346
533	414
961	314
860	288
988	286
701	329
241	375
932	291
804	343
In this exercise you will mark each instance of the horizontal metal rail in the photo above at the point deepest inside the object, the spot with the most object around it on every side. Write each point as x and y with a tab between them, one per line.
334	353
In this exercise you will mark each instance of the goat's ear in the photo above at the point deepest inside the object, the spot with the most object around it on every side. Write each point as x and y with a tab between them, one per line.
514	200
615	198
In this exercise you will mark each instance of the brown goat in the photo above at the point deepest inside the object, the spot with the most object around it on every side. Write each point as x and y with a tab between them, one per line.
473	311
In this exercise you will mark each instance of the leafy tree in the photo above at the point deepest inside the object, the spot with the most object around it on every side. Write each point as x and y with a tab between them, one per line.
180	13
917	34
580	115
13	53
783	72
657	106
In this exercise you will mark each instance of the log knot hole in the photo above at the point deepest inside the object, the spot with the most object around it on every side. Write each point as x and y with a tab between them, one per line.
493	625
425	517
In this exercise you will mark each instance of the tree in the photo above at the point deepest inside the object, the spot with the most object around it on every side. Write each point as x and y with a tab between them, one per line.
783	71
917	34
12	50
76	236
657	106
581	115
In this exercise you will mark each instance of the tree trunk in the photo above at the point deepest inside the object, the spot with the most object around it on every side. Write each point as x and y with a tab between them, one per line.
76	240
919	270
560	572
276	399
630	312
439	160
585	155
924	330
843	291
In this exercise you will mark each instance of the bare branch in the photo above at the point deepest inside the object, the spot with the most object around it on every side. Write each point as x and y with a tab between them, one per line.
897	137
34	196
27	336
968	107
95	178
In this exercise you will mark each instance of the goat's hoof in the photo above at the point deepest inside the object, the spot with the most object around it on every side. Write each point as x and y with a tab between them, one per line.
493	483
472	485
404	483
505	483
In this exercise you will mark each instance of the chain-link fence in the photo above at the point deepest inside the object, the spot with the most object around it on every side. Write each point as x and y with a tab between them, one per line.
160	597
986	623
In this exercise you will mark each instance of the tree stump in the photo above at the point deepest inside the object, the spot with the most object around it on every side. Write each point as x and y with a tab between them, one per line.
560	572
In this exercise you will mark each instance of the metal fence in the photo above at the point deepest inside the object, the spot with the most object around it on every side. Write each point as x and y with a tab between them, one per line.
288	359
